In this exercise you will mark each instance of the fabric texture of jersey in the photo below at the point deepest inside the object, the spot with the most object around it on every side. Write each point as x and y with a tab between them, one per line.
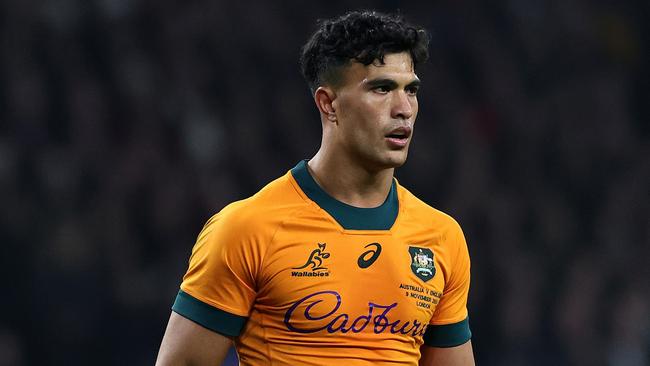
300	284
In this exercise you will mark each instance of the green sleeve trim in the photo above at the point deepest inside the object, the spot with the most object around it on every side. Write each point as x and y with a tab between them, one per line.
448	335
208	316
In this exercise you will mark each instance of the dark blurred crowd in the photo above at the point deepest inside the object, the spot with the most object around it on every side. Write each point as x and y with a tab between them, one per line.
125	124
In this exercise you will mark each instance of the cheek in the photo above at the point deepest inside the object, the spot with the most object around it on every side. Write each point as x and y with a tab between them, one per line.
414	107
362	118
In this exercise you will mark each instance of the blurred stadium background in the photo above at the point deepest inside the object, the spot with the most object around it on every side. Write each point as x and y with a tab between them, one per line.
125	124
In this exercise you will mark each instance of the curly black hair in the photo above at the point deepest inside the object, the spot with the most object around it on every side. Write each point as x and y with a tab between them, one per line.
362	36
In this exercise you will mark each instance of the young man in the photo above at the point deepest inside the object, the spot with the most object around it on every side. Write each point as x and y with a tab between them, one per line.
335	262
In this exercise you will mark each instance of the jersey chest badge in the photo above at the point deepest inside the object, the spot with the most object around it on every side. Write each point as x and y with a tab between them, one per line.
422	264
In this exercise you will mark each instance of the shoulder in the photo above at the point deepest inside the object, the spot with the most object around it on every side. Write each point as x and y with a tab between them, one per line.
426	215
241	232
263	211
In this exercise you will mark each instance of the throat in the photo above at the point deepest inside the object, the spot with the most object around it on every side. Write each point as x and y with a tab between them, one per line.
354	188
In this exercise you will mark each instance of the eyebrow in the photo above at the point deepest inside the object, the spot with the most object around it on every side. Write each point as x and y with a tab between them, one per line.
390	83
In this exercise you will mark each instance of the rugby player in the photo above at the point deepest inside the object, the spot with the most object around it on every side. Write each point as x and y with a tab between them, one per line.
334	263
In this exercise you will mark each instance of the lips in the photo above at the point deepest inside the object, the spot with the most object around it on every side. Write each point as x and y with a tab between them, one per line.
398	137
400	133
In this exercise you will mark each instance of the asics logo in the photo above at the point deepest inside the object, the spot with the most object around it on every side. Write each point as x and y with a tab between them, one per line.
367	258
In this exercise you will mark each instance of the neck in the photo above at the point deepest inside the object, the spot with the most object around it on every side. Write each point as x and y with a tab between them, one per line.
348	181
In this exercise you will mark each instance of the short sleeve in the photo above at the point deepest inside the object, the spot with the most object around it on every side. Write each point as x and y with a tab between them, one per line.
449	325
219	287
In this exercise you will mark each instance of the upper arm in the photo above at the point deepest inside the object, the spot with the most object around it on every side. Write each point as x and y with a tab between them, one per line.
449	325
453	304
451	356
223	267
216	295
187	343
219	288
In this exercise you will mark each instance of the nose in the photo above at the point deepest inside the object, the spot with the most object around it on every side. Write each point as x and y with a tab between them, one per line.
403	105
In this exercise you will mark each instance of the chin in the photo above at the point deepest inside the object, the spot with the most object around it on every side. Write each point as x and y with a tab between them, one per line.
395	160
384	160
398	164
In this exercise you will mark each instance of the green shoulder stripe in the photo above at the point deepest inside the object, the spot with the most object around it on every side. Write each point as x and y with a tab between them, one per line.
448	335
208	316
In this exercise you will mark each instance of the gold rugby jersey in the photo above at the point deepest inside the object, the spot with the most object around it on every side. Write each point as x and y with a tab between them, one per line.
299	278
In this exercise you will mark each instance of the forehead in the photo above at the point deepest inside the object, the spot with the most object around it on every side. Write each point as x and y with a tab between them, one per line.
396	66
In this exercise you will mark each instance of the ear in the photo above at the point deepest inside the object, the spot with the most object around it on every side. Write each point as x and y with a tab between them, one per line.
324	97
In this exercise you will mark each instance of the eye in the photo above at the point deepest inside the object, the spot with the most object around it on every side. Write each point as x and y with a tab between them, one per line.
412	90
382	89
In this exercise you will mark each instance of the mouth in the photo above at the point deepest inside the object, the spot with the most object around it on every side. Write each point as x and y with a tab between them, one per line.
398	137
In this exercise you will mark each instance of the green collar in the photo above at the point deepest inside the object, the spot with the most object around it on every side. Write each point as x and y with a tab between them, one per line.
349	217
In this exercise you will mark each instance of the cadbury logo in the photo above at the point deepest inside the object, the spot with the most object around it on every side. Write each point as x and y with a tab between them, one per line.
378	317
